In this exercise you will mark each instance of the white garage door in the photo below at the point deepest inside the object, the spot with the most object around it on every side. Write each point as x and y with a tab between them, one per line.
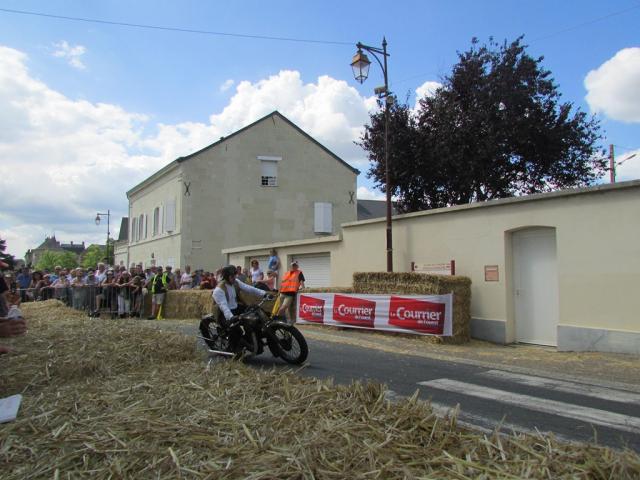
316	269
262	260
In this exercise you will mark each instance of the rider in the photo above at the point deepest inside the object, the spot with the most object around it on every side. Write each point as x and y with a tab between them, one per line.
227	292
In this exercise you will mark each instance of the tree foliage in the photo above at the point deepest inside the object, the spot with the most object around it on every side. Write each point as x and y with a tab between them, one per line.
49	259
6	257
496	128
93	255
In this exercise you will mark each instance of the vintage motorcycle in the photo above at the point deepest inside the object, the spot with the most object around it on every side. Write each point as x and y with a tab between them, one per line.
251	332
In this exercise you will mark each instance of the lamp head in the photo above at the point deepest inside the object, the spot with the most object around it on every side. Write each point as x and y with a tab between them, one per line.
360	66
97	219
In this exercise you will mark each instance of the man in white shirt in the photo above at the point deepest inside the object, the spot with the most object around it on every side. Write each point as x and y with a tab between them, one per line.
227	291
186	280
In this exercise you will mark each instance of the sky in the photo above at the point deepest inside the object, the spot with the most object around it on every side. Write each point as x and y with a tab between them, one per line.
88	109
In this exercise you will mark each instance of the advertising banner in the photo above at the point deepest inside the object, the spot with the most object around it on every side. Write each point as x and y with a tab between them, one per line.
419	314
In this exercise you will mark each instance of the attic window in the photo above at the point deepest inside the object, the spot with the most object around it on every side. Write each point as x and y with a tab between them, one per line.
269	171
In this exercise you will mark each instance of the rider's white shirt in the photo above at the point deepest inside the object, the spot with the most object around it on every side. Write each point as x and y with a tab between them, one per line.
221	300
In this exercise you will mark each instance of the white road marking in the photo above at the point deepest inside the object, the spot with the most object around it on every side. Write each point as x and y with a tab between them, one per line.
566	387
553	407
471	421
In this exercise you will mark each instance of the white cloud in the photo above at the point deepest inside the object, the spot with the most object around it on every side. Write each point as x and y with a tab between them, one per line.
226	85
613	87
630	166
64	159
71	53
366	194
427	89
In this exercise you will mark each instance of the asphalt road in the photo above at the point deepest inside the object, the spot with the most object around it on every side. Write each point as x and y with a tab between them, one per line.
487	397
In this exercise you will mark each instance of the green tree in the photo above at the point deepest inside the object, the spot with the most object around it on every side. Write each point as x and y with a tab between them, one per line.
93	255
6	257
496	128
50	259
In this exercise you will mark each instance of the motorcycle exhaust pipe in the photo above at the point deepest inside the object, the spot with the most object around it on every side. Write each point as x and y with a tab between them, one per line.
220	352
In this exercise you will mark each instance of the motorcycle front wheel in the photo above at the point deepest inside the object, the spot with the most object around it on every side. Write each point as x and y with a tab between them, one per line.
290	344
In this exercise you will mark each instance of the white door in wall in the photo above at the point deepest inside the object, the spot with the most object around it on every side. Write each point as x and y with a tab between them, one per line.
316	269
535	276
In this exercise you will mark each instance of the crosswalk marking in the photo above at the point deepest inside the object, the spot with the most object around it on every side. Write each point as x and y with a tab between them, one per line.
553	407
471	421
566	387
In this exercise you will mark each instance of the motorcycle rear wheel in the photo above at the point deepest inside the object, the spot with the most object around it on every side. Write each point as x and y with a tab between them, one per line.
291	345
212	339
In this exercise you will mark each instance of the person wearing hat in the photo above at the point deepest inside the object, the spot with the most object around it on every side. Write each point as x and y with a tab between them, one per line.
227	295
227	292
292	282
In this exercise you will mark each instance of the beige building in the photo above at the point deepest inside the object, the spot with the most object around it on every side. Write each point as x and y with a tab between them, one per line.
560	269
267	182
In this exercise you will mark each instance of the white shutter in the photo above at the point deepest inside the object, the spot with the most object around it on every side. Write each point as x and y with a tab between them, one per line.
269	173
323	218
134	230
316	269
170	216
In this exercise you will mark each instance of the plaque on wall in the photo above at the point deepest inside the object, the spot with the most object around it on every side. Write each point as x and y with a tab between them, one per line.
491	273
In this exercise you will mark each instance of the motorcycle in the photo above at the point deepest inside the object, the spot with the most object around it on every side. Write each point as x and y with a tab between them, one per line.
253	330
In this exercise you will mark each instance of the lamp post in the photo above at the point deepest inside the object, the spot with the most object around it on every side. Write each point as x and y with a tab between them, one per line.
108	215
360	65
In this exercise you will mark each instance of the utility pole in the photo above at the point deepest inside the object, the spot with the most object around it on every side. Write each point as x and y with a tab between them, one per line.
612	164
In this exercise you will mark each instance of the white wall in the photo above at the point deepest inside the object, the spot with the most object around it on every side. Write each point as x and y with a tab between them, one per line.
164	247
598	253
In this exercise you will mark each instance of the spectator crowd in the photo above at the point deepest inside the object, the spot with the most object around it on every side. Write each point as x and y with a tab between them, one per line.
120	291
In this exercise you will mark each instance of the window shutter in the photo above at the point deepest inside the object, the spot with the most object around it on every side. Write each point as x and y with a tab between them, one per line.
269	177
323	218
170	216
156	220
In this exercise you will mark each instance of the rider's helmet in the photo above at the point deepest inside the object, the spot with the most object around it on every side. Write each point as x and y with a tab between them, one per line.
228	272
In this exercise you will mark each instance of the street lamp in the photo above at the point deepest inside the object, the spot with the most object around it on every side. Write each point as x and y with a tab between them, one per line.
108	215
360	65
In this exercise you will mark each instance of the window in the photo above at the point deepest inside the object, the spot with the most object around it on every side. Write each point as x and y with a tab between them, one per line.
134	229
156	220
146	225
140	227
269	171
323	219
170	216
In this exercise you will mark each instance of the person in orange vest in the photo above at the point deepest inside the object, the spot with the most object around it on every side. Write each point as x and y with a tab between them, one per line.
292	281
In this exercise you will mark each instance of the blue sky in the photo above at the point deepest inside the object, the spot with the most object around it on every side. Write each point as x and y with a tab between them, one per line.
87	110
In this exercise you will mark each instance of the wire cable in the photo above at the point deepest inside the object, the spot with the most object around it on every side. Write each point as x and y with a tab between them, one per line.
173	29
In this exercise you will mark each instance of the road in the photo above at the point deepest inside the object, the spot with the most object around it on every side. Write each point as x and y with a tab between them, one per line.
487	397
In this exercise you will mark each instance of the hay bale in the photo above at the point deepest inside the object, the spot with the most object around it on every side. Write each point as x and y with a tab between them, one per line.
187	303
163	414
424	284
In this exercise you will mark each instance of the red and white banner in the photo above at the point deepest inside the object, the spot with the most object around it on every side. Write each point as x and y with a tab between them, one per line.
420	314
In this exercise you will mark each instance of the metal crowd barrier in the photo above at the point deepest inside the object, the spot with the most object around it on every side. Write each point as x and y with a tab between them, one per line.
109	301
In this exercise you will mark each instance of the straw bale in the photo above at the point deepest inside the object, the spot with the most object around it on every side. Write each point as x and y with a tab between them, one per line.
190	304
187	303
424	284
170	415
